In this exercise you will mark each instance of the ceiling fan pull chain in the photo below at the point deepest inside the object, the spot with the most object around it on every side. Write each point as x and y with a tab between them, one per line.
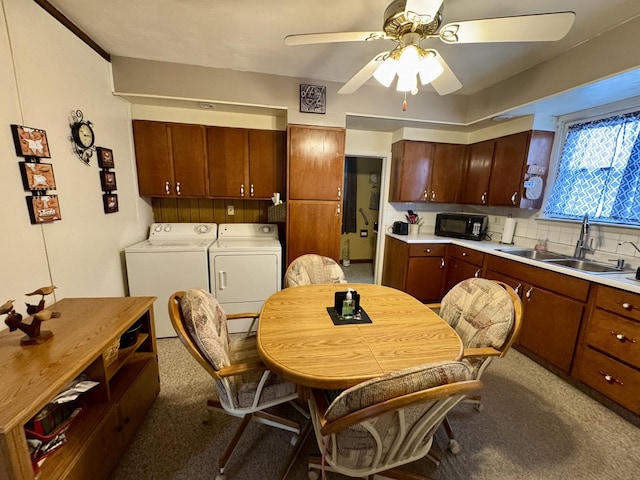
404	104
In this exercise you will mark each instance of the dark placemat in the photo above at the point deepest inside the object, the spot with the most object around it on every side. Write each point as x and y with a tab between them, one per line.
361	317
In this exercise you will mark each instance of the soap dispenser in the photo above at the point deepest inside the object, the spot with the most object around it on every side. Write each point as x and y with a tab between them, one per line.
348	305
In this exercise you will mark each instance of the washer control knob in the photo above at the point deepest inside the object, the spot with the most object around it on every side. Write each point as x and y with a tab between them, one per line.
158	228
167	228
266	229
203	229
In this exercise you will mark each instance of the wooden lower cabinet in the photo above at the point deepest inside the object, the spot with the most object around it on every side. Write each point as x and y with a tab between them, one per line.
461	263
609	353
553	308
112	410
417	269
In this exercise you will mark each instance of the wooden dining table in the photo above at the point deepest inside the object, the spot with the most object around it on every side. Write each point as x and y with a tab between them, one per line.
298	340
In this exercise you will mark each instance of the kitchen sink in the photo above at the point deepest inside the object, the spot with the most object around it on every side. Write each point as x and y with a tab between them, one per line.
586	265
531	253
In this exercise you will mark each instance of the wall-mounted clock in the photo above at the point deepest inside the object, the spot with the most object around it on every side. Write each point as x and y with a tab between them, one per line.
82	136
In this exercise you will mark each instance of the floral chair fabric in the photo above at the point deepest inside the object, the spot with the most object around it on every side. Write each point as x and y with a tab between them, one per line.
311	269
206	323
394	437
481	312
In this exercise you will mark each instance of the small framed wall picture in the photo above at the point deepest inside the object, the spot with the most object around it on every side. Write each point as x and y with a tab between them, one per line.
30	142
110	202
105	157
43	208
313	98
108	181
37	176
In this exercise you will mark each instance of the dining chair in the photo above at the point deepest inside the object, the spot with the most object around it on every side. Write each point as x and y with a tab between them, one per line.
487	315
381	424
310	268
245	387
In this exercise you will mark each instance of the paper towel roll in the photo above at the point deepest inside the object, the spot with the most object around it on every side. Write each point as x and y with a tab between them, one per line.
507	231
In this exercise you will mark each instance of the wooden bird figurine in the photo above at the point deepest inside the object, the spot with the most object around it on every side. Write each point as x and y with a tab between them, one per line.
6	307
33	333
31	309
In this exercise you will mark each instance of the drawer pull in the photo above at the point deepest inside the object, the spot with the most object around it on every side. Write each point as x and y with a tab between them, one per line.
464	254
528	294
427	250
629	307
609	379
477	274
621	337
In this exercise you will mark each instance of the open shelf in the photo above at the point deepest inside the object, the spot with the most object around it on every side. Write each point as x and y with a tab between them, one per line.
124	355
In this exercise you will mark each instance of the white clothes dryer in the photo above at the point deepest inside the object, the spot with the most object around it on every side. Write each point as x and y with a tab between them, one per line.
173	258
246	268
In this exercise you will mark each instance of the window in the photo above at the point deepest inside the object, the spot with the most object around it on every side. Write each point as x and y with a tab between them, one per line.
599	172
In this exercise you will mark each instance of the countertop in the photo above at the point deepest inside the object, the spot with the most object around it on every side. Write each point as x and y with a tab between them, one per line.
623	280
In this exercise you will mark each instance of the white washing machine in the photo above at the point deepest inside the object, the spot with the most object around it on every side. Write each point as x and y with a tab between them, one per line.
246	268
173	258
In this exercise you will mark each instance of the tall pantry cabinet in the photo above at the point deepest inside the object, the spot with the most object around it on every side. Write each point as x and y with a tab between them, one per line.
315	178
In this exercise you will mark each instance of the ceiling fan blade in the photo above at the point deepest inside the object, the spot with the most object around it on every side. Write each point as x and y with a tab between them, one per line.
447	82
363	75
311	38
423	11
543	27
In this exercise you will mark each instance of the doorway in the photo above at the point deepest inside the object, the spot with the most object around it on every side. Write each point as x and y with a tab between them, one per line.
360	217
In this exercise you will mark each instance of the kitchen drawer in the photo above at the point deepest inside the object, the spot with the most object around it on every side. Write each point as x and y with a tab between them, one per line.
623	385
426	250
616	336
618	301
467	254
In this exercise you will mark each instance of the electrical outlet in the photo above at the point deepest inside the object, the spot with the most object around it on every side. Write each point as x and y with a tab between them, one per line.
231	210
364	233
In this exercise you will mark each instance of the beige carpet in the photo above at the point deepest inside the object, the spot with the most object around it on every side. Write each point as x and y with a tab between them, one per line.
534	426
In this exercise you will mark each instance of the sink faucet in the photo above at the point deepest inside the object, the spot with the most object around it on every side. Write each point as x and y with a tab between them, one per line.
581	249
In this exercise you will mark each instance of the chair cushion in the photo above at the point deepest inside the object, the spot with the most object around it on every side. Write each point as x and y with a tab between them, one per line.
480	311
206	322
396	384
311	269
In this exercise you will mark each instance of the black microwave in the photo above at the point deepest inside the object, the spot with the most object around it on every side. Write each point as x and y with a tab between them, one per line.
461	225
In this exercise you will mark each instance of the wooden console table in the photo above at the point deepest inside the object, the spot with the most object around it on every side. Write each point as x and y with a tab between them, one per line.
33	375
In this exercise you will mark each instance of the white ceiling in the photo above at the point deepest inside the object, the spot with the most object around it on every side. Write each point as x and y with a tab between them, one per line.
247	35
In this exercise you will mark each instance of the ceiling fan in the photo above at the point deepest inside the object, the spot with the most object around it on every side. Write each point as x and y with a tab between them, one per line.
408	22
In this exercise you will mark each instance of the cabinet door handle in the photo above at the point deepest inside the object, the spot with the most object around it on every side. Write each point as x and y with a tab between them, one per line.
338	210
251	190
424	195
433	195
514	198
484	197
167	188
242	190
517	289
528	294
628	306
477	274
610	379
339	193
178	188
621	337
442	263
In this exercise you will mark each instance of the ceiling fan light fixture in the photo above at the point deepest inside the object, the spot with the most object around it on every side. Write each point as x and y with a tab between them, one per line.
407	82
386	72
409	61
430	69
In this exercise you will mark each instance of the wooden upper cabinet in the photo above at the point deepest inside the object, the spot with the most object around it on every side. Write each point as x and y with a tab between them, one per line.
266	162
155	171
509	157
189	159
475	189
245	163
170	158
446	172
313	227
315	162
508	171
228	158
410	169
